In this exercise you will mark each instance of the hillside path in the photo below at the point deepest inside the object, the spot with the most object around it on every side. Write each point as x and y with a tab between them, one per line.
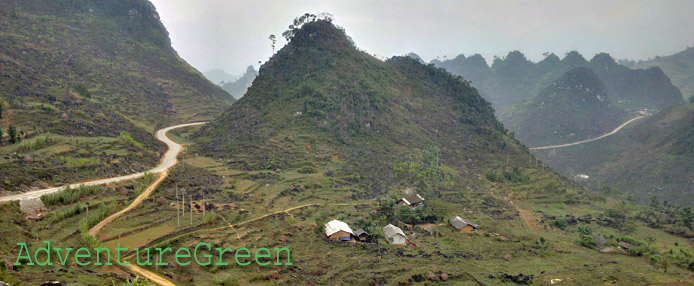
590	140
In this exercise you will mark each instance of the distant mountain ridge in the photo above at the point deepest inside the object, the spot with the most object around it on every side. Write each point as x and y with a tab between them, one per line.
514	78
239	87
575	107
219	77
679	67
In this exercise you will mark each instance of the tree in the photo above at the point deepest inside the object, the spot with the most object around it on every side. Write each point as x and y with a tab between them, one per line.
303	19
273	39
12	132
0	110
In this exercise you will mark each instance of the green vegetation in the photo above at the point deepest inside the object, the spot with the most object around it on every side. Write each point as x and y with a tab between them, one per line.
70	195
137	281
516	176
12	132
82	91
67	212
126	138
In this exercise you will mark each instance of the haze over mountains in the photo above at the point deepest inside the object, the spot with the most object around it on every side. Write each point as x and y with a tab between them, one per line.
513	79
576	106
238	87
326	131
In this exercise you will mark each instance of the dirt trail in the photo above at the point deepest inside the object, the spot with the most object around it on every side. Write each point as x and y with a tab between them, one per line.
590	140
168	161
528	218
143	196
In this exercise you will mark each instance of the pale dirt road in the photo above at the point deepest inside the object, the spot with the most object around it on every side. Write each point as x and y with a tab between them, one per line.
167	161
590	140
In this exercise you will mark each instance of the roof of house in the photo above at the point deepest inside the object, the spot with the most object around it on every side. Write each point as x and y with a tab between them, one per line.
414	199
459	223
360	232
335	226
391	230
624	245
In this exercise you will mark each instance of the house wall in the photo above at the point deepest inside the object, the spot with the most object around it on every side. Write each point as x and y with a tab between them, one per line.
466	229
339	234
397	239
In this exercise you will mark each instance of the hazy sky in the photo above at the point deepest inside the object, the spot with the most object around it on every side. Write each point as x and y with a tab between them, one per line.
231	35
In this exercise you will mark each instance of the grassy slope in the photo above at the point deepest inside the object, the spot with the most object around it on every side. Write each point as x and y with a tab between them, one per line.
320	99
91	69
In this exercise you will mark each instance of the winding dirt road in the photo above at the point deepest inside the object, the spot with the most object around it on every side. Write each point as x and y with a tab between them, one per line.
167	161
590	140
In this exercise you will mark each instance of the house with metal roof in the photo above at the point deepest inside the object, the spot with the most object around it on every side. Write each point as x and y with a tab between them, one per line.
362	235
394	234
463	226
412	201
336	229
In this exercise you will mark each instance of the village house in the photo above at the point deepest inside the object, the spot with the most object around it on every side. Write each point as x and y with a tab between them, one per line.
463	226
412	201
394	234
338	230
362	235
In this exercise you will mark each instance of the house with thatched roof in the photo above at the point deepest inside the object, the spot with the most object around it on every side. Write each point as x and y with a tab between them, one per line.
463	226
394	234
336	229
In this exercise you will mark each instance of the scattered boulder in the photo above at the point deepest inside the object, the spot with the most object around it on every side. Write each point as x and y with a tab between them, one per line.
431	276
274	275
444	277
64	116
27	159
283	238
161	201
508	257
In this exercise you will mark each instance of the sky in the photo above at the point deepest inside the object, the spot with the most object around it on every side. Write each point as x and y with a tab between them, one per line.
231	35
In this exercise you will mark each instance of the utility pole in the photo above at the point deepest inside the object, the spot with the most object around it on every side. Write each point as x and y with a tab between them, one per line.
191	209
203	205
178	213
183	203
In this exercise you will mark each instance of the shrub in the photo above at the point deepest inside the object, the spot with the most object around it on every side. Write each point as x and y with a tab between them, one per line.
587	241
210	217
67	212
585	230
306	170
127	139
69	195
82	91
561	224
